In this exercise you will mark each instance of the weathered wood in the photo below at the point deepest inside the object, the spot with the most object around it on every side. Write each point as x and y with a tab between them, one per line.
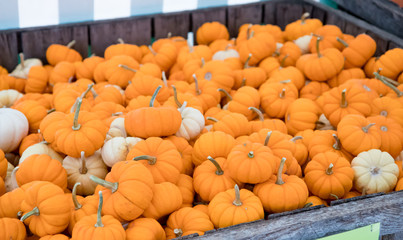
208	15
176	23
241	14
8	50
386	209
133	30
341	201
35	41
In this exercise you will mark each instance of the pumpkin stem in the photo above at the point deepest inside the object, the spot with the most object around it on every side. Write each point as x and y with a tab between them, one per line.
318	39
252	33
388	83
343	102
294	139
198	91
246	65
152	50
179	104
99	216
280	172
219	169
154	95
308	205
237	201
22	60
337	144
251	154
248	34
335	196
94	93
243	83
151	159
178	232
41	136
77	205
164	79
283	60
225	93
76	125
282	94
113	186
117	114
366	128
50	111
285	81
212	119
258	113
13	177
127	68
304	17
83	169
374	170
71	44
203	62
34	211
182	107
329	170
267	139
342	41
120	41
169	35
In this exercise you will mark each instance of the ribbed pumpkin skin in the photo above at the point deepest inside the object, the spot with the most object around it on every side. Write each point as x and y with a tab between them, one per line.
12	228
55	237
211	31
85	229
145	228
57	53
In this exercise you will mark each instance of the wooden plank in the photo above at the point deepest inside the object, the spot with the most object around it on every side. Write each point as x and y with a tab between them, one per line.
386	209
135	30
8	50
241	14
35	41
176	23
208	15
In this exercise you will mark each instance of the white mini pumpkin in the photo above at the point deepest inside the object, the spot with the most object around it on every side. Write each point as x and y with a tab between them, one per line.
224	54
22	69
13	128
116	129
303	43
40	148
80	170
375	171
8	97
10	180
192	122
116	149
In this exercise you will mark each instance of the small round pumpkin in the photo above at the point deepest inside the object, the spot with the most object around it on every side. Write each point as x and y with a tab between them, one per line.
145	228
11	228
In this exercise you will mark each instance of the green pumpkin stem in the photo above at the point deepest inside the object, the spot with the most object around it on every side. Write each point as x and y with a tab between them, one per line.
294	139
71	44
182	107
342	41
308	205
34	211
279	180
251	154
22	60
318	39
113	186
83	169
176	97
337	144
246	65
219	169
99	216
120	41
225	93
77	205
212	119
237	201
285	81
283	61
366	128
164	79
258	113
178	232
267	139
125	67
243	83
304	17
282	94
389	83
343	102
198	91
203	62
152	50
248	33
154	95
335	196
329	170
50	111
151	159
76	125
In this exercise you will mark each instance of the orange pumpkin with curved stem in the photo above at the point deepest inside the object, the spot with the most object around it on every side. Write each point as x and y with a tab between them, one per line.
106	110
313	90
185	185
164	56
31	169
191	67
345	75
209	178
329	174
391	134
65	100
45	208
372	87
160	156
95	226
11	228
329	35
358	134
340	102
315	201
189	53
62	72
277	141
140	102
301	114
145	228
232	123
185	150
244	98
222	45
146	85
210	31
235	206
260	45
141	122
34	112
214	144
276	97
178	41
389	108
250	163
187	221
322	65
269	64
327	141
358	51
289	54
246	29
37	80
178	99
167	198
118	70
301	27
262	122
249	76
57	53
104	92
282	192
390	63
288	73
218	72
122	48
301	151
86	68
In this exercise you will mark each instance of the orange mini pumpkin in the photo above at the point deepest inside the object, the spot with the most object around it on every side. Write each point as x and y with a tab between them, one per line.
122	48
11	228
301	27
210	31
57	53
145	228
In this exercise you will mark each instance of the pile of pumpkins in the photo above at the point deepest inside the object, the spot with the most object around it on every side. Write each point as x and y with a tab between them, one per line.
172	139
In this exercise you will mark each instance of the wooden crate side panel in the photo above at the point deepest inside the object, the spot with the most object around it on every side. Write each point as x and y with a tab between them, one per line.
238	15
177	24
134	31
8	50
286	12
35	42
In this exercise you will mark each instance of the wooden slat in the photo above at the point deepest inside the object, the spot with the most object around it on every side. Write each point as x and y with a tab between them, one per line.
178	24
241	14
36	41
208	15
386	209
8	50
290	11
132	30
